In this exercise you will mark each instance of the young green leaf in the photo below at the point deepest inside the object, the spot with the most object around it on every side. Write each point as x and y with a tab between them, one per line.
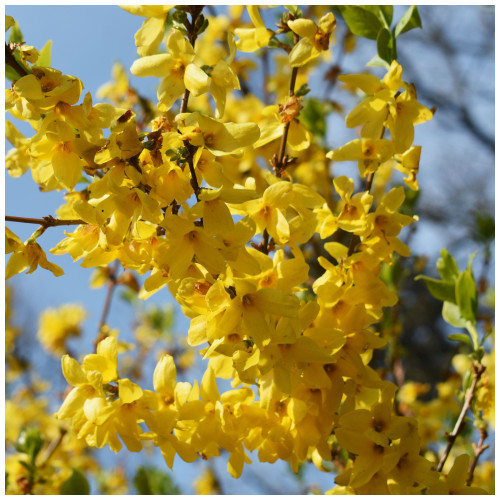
76	484
447	266
441	290
11	74
466	296
15	34
386	45
383	12
361	21
410	20
461	337
451	314
45	55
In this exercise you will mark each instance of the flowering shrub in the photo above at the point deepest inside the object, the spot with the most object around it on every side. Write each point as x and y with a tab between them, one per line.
229	202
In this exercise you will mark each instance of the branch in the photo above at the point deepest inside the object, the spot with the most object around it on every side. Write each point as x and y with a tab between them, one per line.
195	11
478	451
12	61
469	396
46	222
280	162
355	237
112	282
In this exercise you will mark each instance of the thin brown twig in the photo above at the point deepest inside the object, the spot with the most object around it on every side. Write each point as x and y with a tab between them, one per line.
12	61
47	221
112	282
469	396
51	449
281	163
478	451
195	11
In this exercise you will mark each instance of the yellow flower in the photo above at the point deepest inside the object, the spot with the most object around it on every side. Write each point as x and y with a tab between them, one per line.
176	69
372	111
314	39
370	153
28	254
219	138
252	39
57	325
403	116
454	482
150	34
45	87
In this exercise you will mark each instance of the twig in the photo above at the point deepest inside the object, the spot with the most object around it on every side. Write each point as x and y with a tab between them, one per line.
281	162
51	449
469	396
355	237
478	451
195	11
112	282
12	61
47	221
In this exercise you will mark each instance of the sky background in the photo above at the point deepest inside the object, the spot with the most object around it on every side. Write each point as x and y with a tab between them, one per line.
87	40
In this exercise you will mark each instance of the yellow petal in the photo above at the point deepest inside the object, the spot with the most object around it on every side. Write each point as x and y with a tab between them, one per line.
149	36
67	168
170	89
302	53
164	377
72	371
196	80
128	391
305	28
158	65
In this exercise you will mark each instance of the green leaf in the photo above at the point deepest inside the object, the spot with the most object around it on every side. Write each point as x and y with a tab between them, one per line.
150	481
386	45
451	314
26	465
466	296
378	61
30	441
313	117
76	484
361	21
295	10
410	20
447	266
302	90
441	290
461	337
383	12
15	34
45	55
11	74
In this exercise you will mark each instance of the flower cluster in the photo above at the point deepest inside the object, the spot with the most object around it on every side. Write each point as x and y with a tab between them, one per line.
181	199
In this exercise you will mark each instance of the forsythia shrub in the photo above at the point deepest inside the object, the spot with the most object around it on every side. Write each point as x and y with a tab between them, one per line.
229	202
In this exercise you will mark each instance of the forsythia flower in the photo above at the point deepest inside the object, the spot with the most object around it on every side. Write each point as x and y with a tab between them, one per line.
57	325
314	39
176	69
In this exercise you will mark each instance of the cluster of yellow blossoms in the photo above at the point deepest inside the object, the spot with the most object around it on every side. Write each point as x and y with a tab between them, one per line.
183	200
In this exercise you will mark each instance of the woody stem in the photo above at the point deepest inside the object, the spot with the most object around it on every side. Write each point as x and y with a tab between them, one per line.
469	396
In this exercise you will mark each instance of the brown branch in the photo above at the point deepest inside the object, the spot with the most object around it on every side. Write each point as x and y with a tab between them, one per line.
46	222
478	451
195	11
355	238
469	396
51	449
282	161
112	282
12	61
